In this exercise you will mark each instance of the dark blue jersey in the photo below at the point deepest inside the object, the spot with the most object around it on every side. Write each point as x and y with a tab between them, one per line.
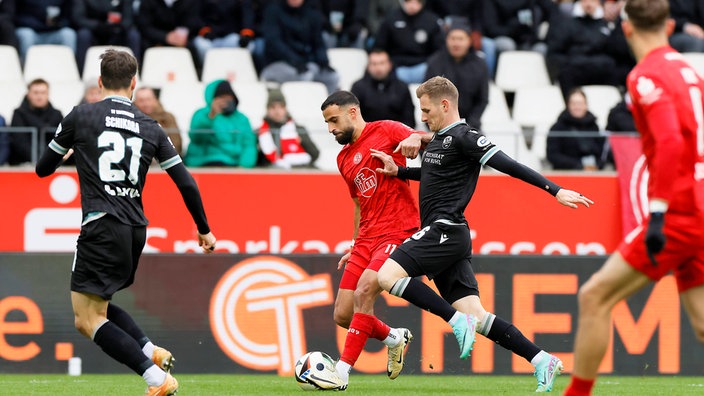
114	144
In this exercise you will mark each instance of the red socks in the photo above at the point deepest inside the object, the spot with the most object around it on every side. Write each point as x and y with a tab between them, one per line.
381	330
579	387
360	329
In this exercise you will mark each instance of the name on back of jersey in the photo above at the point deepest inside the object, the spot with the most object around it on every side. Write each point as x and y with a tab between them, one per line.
122	123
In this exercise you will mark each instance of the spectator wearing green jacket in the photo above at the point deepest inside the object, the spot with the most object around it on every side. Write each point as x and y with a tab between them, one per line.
220	134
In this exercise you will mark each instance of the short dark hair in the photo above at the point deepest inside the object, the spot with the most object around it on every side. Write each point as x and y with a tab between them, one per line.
340	98
37	81
117	69
647	15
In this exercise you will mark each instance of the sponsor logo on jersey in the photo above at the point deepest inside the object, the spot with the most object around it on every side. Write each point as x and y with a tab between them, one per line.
357	158
447	142
433	158
366	182
443	238
648	92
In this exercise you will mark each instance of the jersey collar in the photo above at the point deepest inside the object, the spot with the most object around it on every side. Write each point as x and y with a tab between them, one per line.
120	98
454	124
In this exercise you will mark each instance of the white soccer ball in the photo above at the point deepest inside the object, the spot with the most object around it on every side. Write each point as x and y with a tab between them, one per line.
315	362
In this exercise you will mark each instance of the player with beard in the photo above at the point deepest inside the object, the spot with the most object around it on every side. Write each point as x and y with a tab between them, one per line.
385	215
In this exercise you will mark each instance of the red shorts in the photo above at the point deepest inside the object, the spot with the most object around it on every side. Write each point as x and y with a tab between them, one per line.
683	253
370	253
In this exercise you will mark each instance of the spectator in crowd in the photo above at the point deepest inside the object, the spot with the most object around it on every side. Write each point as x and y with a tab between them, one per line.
146	100
293	45
35	111
282	142
345	22
410	35
169	23
378	11
258	7
514	24
227	23
7	23
382	96
4	143
617	48
104	22
577	47
459	63
91	94
689	25
567	150
43	22
471	12
220	134
620	117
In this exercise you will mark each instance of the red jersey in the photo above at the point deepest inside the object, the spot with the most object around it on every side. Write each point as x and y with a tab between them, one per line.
669	114
386	203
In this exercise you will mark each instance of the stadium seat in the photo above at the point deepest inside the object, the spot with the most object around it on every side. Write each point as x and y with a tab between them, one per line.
12	95
53	63
10	67
696	59
182	99
252	97
350	64
91	66
600	100
232	64
497	110
162	65
535	107
507	135
303	100
518	69
416	108
65	95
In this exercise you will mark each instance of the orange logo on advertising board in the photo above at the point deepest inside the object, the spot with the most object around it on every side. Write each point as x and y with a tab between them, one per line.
256	311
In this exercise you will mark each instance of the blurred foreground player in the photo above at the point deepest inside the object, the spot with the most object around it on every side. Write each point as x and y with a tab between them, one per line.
667	110
113	144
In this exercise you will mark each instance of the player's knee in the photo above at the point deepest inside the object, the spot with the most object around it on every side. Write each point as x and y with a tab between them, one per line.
590	297
364	295
699	331
83	326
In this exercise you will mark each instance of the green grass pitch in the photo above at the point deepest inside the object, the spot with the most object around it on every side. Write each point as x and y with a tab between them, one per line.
363	385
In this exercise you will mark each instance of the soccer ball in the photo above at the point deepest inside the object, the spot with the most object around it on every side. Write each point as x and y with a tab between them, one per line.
315	362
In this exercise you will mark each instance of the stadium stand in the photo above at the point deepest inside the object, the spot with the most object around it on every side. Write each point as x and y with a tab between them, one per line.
350	64
232	64
519	69
53	63
162	65
600	100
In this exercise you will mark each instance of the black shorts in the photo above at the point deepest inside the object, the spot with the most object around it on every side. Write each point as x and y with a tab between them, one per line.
443	253
107	255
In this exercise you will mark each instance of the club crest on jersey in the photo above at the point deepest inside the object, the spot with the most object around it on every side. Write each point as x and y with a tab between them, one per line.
483	141
447	142
357	158
366	182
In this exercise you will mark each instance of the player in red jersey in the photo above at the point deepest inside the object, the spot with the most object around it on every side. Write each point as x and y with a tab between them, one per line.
385	215
669	114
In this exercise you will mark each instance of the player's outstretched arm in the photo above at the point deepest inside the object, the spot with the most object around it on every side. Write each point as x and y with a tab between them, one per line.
503	163
191	196
410	146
